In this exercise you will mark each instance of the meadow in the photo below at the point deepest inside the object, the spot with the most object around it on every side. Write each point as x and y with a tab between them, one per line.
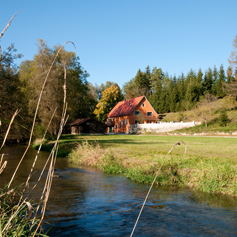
206	164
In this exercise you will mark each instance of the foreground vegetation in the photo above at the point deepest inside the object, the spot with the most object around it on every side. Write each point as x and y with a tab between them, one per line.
209	165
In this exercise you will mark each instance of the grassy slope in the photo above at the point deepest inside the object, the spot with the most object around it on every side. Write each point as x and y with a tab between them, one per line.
209	165
209	111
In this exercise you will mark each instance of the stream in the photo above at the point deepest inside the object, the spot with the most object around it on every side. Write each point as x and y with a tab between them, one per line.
87	202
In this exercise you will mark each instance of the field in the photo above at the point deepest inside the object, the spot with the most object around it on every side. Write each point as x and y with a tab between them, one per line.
209	165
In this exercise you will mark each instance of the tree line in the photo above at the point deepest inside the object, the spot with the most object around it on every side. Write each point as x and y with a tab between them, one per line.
20	88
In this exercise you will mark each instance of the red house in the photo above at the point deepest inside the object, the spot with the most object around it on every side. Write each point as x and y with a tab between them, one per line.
130	112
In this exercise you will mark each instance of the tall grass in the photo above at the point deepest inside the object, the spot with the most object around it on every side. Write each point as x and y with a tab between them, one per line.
17	215
209	165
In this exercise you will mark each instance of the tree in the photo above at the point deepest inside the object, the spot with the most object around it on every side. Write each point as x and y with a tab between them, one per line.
33	73
223	119
208	81
156	87
102	87
110	97
233	58
231	85
193	89
12	97
218	86
139	85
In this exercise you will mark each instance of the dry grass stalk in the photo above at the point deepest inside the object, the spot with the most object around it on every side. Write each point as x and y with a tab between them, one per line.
52	157
9	127
3	166
36	111
157	174
8	24
37	154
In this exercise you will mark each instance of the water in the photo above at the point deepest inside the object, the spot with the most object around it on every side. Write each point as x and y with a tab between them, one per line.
87	202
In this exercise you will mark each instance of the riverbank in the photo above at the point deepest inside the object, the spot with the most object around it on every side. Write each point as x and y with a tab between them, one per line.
209	165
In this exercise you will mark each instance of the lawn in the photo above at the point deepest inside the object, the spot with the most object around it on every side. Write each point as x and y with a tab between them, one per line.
209	165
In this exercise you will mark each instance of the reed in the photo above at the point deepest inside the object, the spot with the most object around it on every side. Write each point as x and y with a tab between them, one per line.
18	218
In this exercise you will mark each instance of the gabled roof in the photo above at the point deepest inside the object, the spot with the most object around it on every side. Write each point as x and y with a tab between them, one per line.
83	120
79	121
125	107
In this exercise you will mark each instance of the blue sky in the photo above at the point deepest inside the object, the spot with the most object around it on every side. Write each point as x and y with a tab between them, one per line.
114	38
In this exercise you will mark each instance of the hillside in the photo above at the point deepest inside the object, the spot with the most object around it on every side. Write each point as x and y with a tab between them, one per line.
210	113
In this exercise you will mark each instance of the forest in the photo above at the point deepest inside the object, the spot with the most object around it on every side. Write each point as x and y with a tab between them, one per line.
20	87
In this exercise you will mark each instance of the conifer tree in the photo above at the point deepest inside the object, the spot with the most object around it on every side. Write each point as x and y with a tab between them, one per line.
208	81
220	82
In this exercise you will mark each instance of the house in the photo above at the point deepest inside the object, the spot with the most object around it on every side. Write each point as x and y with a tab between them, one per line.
130	112
87	126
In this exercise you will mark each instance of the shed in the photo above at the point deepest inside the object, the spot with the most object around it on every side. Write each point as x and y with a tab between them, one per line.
87	126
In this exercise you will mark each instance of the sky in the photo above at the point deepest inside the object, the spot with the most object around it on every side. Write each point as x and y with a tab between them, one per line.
115	38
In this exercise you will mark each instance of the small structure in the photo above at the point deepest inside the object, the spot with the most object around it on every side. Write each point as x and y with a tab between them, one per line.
130	112
87	126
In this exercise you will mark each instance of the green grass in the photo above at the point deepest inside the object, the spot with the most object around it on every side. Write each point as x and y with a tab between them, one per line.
210	164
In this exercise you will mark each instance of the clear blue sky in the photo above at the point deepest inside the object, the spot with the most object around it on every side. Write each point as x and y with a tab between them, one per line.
114	38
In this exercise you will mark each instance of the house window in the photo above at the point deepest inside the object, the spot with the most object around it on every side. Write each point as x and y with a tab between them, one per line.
143	104
126	122
136	112
120	124
113	119
87	123
123	122
149	114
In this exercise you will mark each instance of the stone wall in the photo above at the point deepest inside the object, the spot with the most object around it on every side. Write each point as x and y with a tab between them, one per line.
161	127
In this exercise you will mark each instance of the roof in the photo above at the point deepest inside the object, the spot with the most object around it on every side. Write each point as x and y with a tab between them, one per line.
83	120
125	107
79	121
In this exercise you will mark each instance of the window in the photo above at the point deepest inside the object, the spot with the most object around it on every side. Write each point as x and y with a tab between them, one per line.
126	122
123	122
149	113
136	112
120	124
143	104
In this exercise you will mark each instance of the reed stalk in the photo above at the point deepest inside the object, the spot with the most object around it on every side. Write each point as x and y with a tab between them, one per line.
157	174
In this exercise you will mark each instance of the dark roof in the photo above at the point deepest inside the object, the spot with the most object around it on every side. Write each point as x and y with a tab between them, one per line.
125	107
79	121
83	120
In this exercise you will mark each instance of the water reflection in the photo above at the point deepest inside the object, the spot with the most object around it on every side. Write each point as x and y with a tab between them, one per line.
87	202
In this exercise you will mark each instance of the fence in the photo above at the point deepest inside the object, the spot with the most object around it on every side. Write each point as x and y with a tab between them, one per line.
161	127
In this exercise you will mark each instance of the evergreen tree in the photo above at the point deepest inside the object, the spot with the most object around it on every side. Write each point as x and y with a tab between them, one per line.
208	81
215	79
156	88
220	82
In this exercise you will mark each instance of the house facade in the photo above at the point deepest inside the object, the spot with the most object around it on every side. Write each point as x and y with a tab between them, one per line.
130	112
87	126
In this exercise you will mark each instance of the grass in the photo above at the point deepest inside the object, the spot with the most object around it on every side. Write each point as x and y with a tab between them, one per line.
210	164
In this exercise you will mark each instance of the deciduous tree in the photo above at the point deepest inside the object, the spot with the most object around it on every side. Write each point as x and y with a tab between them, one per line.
110	97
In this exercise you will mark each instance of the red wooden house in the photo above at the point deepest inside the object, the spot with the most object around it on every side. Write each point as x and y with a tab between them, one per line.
130	112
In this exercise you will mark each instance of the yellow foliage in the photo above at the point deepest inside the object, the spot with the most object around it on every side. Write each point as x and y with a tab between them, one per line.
110	97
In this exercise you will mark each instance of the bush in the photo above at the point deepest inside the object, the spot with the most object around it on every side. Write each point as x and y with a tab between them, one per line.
223	119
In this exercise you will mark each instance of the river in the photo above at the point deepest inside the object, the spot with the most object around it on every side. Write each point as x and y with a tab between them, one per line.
87	202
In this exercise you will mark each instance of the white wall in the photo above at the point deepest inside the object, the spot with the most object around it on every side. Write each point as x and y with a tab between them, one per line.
162	127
